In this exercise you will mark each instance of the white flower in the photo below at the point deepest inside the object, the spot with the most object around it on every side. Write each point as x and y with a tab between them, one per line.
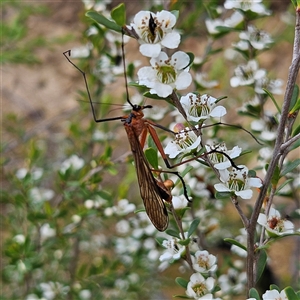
122	227
274	295
46	231
219	160
19	238
274	224
242	239
199	107
155	31
174	250
273	86
237	181
53	290
247	74
81	51
166	74
39	195
234	281
200	78
73	162
199	287
246	5
212	25
179	202
185	141
85	294
124	207
256	38
203	262
267	126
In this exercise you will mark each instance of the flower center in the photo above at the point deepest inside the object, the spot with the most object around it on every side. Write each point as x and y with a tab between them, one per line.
166	74
200	289
276	224
151	31
236	184
184	140
199	108
203	262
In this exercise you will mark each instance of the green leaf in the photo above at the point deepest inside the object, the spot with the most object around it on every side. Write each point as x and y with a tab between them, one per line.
193	226
151	155
296	131
192	57
182	174
104	21
172	232
295	101
273	100
184	242
276	176
274	287
290	293
181	296
151	96
119	14
253	293
160	240
290	167
282	186
295	145
236	243
175	13
222	195
261	264
182	282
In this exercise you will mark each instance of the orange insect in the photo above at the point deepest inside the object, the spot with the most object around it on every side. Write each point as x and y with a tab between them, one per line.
153	191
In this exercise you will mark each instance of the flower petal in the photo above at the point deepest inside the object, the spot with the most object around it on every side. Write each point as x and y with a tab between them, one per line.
221	187
183	81
171	40
150	50
245	194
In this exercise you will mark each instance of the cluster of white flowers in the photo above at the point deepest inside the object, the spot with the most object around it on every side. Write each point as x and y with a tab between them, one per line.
164	76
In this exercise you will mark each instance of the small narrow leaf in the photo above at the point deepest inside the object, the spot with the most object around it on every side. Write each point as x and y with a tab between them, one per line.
273	99
184	242
261	264
276	176
253	293
172	232
274	287
295	108
119	14
192	57
222	195
181	296
175	13
290	293
295	101
152	157
282	186
290	167
160	240
236	243
103	21
193	226
296	131
182	282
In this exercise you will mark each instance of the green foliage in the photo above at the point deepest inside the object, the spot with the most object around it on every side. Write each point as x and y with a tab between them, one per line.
14	46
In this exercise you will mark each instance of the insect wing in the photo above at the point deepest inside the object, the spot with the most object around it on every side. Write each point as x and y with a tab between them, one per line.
151	193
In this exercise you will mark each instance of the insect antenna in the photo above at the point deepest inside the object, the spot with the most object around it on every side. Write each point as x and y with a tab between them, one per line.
125	72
